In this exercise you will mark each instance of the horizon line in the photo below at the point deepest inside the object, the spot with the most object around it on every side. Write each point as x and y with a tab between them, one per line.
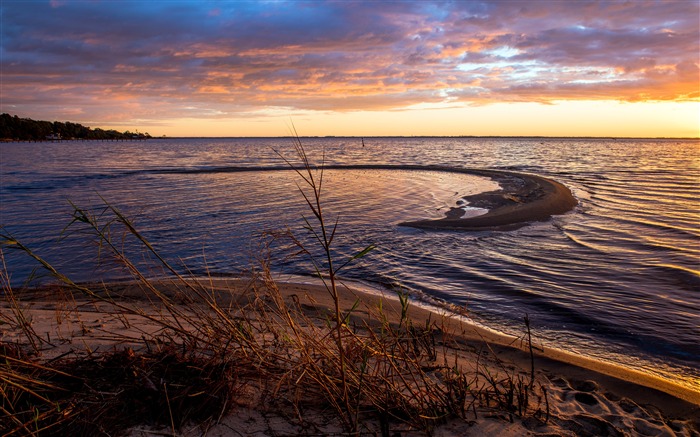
431	136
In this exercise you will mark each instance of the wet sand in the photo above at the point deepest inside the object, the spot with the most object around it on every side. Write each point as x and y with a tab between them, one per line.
522	198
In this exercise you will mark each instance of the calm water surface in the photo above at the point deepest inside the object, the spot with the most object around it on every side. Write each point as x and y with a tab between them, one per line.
618	278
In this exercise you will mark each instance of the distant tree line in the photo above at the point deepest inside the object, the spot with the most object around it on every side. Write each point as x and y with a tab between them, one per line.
26	129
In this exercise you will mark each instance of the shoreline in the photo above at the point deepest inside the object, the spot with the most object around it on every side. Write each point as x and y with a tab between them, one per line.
480	331
369	296
576	385
577	364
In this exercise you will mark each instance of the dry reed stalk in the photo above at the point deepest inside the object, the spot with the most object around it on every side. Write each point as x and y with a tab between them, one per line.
18	320
324	236
383	371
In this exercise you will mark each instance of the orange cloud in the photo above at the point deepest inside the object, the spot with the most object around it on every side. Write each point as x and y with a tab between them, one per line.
155	59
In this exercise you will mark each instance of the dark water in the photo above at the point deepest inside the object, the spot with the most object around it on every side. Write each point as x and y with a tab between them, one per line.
618	278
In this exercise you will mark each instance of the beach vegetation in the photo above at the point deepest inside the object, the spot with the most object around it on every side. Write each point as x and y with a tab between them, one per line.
189	349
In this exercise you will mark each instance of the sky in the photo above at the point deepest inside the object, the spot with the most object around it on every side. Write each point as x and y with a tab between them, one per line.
372	68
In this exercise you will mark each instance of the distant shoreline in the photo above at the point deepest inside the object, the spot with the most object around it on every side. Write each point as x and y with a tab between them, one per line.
357	137
64	140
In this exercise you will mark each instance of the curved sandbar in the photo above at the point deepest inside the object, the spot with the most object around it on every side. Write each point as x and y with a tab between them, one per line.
522	198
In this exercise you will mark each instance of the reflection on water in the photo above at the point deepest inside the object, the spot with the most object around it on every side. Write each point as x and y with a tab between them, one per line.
617	278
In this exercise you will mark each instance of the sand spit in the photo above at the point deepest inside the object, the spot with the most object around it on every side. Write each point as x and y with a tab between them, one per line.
522	198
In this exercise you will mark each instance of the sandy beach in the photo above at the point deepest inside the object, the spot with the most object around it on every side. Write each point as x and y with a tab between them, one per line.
583	397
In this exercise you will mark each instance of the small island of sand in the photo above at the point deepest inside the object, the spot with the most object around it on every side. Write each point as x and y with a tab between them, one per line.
522	198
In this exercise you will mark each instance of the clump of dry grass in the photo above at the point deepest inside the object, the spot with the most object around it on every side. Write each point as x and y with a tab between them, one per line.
212	348
30	403
169	387
111	392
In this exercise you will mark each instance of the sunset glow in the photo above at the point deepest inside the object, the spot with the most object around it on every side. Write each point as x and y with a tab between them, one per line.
227	68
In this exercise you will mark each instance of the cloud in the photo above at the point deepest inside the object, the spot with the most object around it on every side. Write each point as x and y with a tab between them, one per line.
116	60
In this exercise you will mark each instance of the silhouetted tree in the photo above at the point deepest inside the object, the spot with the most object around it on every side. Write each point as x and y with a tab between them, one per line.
26	129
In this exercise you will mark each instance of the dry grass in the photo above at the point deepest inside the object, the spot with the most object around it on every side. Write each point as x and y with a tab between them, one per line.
212	349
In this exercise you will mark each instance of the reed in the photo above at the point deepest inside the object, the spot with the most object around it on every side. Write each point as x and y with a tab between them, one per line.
201	350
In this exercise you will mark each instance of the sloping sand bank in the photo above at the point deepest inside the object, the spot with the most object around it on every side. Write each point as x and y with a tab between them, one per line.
522	198
584	398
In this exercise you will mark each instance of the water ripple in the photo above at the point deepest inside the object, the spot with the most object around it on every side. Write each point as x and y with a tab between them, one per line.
616	279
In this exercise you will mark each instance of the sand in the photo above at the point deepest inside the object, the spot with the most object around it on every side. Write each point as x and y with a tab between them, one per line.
586	398
522	198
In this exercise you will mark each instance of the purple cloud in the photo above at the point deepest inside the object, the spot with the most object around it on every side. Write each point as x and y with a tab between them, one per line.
109	60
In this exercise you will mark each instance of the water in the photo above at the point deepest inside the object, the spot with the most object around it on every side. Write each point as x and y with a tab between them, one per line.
616	279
